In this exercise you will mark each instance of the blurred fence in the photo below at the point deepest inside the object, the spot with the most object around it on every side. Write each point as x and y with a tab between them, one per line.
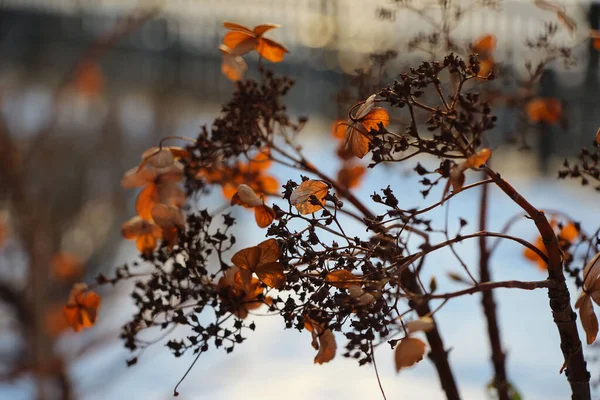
174	55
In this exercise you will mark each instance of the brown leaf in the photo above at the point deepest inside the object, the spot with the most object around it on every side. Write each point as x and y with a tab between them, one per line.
377	116
271	50
247	258
350	176
271	274
146	200
408	352
479	158
269	251
82	307
357	140
587	317
301	196
168	217
264	215
233	66
341	278
327	347
485	44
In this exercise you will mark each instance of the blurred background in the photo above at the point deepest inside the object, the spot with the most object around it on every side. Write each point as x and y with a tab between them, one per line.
87	86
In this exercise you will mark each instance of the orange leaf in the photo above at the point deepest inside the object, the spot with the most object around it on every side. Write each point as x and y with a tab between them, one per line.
136	226
82	308
237	27
269	251
168	217
271	50
301	196
241	39
66	267
264	215
89	79
271	274
374	118
233	66
350	176
146	243
548	110
327	347
533	256
408	352
341	278
147	198
486	66
587	317
260	30
569	232
338	129
479	158
485	44
357	140
247	258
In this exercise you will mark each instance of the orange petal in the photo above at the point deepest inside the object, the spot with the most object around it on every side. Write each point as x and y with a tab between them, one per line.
262	29
409	352
569	232
234	38
374	118
146	243
350	176
147	198
271	274
327	347
270	251
338	129
485	44
268	185
247	258
301	196
66	266
341	278
587	317
271	50
168	217
479	158
264	215
356	141
237	27
234	67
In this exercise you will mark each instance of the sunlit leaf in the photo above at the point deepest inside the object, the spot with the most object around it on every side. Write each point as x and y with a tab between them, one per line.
264	215
485	44
357	140
341	278
377	116
479	158
301	196
408	352
548	110
82	307
66	266
587	317
350	176
271	50
146	200
167	216
271	274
